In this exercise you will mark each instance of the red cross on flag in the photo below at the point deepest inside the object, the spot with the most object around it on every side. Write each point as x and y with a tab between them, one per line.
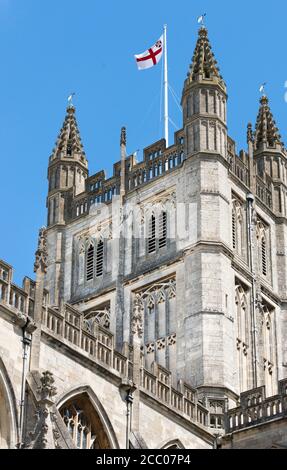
150	57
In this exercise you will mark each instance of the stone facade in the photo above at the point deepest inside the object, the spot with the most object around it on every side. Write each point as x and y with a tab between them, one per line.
160	293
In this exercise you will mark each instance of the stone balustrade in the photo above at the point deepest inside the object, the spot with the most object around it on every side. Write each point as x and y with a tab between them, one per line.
68	325
98	343
255	408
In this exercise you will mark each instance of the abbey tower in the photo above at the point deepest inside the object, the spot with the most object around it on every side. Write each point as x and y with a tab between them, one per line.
158	313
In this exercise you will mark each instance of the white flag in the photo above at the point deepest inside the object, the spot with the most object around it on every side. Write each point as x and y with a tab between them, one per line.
150	57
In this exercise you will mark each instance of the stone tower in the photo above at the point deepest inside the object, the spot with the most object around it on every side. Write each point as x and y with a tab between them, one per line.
269	155
209	359
67	173
204	102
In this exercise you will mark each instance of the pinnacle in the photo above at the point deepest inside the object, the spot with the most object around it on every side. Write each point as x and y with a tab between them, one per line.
204	65
69	141
266	131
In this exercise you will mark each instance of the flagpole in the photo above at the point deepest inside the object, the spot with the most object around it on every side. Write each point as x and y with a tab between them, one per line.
165	88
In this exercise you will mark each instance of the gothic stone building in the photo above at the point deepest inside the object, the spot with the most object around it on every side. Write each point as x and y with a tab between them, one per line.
158	317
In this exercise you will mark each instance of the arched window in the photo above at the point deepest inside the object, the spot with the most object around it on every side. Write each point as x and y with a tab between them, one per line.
268	351
157	230
261	233
100	259
237	227
90	263
8	413
173	444
83	424
243	336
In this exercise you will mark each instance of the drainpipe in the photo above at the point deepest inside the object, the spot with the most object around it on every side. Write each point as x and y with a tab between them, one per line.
250	202
129	400
26	340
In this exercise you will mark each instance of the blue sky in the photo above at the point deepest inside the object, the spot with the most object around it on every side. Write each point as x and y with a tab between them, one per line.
49	48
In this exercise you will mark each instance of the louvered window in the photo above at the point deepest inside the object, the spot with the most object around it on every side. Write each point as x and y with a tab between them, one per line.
263	257
100	259
162	230
151	235
90	263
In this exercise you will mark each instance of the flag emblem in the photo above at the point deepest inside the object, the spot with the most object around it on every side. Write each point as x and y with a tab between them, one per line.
150	57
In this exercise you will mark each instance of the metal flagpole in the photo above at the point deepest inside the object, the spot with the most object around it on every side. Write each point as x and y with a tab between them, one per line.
165	87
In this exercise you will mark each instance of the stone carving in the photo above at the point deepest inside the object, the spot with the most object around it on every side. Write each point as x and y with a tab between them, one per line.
124	136
41	254
30	325
161	343
43	435
217	406
250	135
103	230
171	340
137	317
150	348
20	319
101	317
161	202
47	389
161	296
149	293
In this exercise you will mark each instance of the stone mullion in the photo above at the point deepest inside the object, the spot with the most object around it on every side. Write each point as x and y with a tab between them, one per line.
146	321
156	326
168	332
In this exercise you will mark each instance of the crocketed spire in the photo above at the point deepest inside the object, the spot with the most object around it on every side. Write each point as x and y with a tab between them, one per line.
266	132
204	66
69	144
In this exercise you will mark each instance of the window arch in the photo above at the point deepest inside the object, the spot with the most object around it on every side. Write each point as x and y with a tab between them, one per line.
8	414
243	336
261	234
94	264
87	422
172	444
237	227
157	231
268	327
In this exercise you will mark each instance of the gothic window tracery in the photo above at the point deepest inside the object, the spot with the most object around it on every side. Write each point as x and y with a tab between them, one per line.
243	336
6	427
159	310
83	424
262	243
268	328
237	227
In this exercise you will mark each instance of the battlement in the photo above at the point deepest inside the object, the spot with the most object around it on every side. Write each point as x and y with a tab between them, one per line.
158	161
